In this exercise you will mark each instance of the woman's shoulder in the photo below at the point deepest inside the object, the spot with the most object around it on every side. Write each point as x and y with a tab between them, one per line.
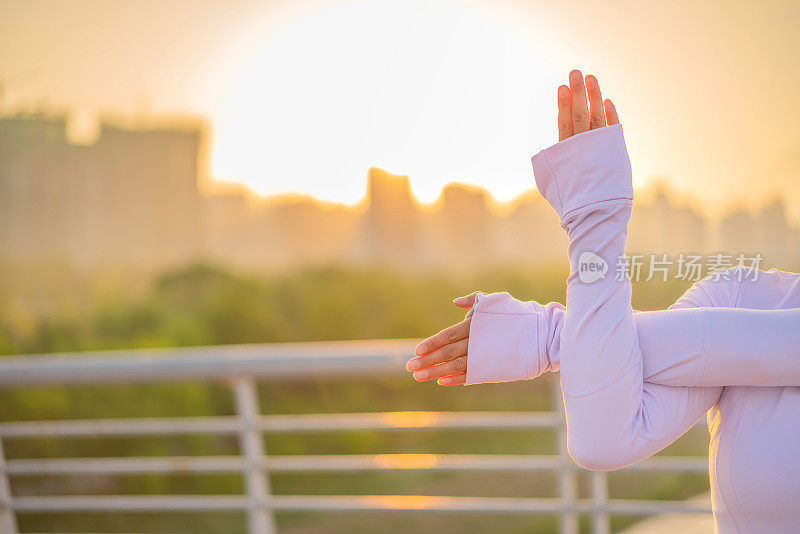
744	287
773	289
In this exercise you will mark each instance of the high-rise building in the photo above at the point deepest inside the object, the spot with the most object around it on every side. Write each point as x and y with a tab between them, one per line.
129	198
391	224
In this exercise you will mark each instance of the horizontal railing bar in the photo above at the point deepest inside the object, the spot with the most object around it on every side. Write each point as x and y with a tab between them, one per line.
355	462
436	462
280	423
324	463
120	427
478	504
134	503
408	420
118	503
636	507
105	466
272	360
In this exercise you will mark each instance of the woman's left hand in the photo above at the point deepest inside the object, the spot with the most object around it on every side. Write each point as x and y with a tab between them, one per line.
443	356
574	115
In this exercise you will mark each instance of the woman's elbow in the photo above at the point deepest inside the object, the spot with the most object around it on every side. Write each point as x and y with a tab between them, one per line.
594	457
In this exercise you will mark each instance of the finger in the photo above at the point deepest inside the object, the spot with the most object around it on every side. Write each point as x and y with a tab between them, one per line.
611	112
440	355
597	116
448	335
467	301
456	365
452	380
580	111
564	113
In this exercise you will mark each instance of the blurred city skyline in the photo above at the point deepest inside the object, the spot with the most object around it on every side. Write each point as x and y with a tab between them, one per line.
303	97
135	198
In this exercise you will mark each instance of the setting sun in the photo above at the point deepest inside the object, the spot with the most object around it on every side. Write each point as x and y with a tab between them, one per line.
438	90
305	96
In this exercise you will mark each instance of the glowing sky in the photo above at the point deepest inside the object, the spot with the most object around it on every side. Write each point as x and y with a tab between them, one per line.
305	96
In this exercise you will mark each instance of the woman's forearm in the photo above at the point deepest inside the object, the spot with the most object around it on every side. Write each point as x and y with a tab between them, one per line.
614	418
587	179
707	346
720	347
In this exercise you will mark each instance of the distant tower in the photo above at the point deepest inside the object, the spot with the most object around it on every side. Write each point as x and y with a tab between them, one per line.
776	239
464	224
665	226
391	225
130	198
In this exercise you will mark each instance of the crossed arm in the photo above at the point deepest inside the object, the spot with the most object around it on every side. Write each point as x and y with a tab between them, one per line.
611	358
718	347
699	341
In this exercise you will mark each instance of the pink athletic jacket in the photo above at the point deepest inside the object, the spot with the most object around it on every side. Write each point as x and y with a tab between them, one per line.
633	382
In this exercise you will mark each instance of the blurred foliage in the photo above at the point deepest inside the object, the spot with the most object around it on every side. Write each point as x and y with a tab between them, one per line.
207	305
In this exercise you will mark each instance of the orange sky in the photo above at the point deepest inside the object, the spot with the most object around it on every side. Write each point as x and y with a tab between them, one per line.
305	96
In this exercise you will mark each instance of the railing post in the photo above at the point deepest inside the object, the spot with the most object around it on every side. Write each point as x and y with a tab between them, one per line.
567	476
8	522
600	518
260	518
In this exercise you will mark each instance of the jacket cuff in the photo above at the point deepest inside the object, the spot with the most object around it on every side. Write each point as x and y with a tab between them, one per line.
584	169
504	340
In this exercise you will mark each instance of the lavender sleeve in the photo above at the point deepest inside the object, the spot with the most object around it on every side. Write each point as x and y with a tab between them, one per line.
701	340
614	418
685	345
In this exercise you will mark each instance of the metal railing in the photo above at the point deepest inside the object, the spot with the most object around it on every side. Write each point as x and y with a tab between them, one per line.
241	366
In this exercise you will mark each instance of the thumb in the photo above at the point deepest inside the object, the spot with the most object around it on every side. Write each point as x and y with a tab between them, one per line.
467	301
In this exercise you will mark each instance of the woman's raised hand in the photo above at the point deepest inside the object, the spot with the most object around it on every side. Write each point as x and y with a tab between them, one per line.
574	115
444	355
